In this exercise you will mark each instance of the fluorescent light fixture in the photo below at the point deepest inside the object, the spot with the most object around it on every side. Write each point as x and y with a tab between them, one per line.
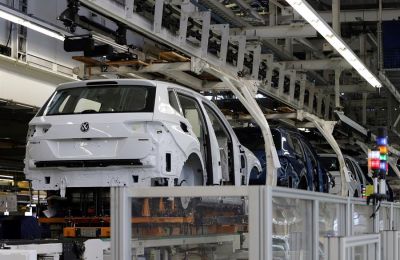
6	177
309	14
30	25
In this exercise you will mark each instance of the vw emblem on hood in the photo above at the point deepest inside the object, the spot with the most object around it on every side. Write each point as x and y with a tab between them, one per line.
85	127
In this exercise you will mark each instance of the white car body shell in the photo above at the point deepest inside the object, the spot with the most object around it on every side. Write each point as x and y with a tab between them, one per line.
355	185
144	138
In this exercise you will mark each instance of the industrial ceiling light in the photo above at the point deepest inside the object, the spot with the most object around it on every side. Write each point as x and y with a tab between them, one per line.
308	13
30	25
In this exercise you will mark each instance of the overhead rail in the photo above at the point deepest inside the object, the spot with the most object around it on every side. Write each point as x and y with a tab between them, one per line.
292	87
262	66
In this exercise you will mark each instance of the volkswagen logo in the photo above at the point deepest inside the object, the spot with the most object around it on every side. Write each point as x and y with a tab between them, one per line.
85	127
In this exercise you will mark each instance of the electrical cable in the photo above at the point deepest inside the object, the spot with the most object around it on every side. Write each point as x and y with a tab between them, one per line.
376	210
10	32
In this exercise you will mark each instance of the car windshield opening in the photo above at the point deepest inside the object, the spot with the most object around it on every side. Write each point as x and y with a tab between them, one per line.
330	163
102	99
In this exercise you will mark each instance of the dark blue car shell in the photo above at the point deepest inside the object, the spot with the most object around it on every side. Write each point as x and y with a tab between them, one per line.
295	168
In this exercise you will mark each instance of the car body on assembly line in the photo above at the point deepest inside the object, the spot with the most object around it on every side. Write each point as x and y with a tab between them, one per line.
357	177
300	166
102	133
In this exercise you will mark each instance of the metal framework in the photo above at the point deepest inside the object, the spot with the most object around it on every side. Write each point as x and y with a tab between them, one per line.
390	241
262	202
343	247
257	69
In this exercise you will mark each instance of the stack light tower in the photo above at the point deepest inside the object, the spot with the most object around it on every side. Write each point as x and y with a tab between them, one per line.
378	165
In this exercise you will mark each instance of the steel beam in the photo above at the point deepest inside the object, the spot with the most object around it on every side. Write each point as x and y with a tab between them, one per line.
161	67
352	88
324	64
250	10
185	79
368	15
387	83
295	30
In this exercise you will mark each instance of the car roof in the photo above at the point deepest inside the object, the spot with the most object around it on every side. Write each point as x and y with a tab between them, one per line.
143	82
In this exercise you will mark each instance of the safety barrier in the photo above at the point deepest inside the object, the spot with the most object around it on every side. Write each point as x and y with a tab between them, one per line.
257	222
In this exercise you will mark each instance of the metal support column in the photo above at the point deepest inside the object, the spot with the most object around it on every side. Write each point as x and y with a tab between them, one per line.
121	246
241	51
327	105
320	98
315	222
292	88
129	6
362	47
338	72
224	30
158	14
303	82
389	111
256	224
281	82
390	248
311	100
364	108
256	61
336	16
379	35
268	228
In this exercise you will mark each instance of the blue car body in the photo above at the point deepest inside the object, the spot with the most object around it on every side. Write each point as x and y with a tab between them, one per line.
300	166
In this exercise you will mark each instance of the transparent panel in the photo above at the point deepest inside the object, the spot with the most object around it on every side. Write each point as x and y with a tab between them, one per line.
384	218
362	252
331	223
292	229
362	221
396	218
190	228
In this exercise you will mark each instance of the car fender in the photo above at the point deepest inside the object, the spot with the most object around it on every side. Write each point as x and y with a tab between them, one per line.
197	153
251	162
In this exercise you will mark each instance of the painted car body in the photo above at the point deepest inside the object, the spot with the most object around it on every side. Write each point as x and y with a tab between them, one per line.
102	133
357	177
300	166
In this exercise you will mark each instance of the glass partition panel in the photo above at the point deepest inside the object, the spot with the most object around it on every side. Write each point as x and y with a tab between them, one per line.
362	221
331	223
292	229
362	252
396	218
384	218
190	228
